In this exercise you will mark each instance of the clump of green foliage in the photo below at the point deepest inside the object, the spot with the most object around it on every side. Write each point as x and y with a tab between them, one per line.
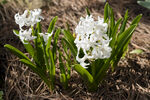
121	36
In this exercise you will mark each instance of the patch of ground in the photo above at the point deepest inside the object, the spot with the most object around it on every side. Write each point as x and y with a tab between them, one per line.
129	81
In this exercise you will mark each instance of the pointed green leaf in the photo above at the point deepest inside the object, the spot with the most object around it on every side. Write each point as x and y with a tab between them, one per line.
29	64
136	19
88	12
52	66
52	24
63	76
84	73
16	52
39	27
122	40
61	65
121	48
16	32
98	64
55	43
122	45
48	46
64	80
29	49
123	26
69	45
38	52
69	36
112	21
125	34
114	33
136	51
102	72
106	11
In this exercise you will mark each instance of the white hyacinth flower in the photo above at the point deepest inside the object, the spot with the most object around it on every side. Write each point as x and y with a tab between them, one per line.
25	35
91	37
46	36
28	18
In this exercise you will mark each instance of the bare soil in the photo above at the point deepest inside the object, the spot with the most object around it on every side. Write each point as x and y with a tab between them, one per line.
129	81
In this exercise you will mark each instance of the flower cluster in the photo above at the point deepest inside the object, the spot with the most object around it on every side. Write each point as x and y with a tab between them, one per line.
29	19
91	37
25	35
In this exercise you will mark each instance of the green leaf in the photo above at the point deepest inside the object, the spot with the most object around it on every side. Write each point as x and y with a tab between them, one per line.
29	49
48	46
44	53
84	73
106	11
61	65
52	68
50	29
52	24
16	32
65	51
122	40
88	12
122	45
69	40
125	46
114	33
69	70
16	52
87	77
136	51
145	4
55	44
118	53
38	52
136	19
29	64
69	37
102	72
112	20
125	34
69	45
39	27
123	26
98	64
64	80
67	57
147	0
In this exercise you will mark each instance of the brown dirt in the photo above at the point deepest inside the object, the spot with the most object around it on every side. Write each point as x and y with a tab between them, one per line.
130	81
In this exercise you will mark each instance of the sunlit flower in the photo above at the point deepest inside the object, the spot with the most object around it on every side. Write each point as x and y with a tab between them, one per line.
91	37
28	18
25	35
